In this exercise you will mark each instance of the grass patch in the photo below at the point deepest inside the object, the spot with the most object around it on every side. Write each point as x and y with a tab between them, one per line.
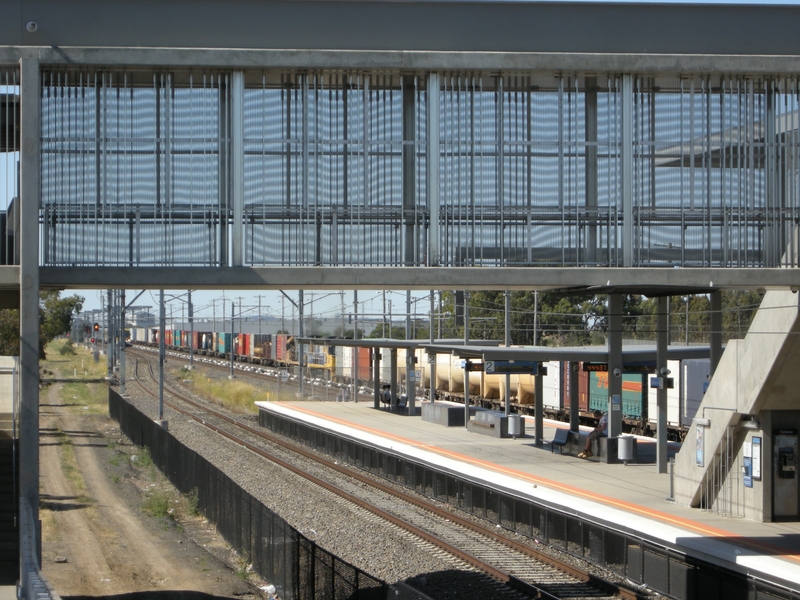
77	363
66	349
235	395
81	392
69	464
157	502
193	503
50	532
243	566
161	499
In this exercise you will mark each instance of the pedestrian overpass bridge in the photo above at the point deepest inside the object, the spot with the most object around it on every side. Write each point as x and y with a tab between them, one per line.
612	148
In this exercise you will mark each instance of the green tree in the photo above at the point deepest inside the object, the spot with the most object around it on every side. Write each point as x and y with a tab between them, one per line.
55	318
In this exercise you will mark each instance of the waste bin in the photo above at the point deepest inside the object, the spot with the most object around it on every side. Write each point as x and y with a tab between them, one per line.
514	425
625	448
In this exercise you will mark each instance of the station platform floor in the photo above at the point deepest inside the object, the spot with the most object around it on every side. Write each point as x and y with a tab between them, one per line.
632	498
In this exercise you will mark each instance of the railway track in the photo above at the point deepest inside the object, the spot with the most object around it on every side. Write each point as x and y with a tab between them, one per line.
523	571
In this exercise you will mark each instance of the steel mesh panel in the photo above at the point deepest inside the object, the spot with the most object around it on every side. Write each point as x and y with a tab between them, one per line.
708	584
345	580
574	536
506	517
635	568
538	523
556	529
440	480
595	545
681	579
733	587
522	518
453	497
613	549
492	505
656	570
427	488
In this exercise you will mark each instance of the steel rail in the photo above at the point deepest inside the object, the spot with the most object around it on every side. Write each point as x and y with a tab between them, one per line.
581	575
497	574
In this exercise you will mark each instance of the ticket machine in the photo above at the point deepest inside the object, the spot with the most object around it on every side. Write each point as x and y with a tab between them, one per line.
785	480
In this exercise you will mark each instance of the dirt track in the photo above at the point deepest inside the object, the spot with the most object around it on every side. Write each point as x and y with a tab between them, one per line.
97	540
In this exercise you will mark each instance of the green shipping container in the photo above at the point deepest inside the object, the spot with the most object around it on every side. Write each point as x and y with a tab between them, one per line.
634	394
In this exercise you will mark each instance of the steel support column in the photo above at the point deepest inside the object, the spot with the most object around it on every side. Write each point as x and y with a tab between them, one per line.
122	389
716	330
237	167
662	341
433	169
393	378
614	365
590	160
574	398
30	186
409	154
376	377
538	418
507	343
626	174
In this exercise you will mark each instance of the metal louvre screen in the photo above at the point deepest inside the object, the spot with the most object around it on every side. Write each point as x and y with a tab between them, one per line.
298	568
9	162
131	171
323	168
374	168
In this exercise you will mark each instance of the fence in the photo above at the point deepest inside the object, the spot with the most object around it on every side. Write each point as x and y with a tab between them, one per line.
295	565
662	569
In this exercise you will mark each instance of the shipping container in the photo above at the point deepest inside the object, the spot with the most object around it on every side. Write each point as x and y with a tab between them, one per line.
552	388
240	344
284	347
634	394
261	345
223	343
206	340
364	364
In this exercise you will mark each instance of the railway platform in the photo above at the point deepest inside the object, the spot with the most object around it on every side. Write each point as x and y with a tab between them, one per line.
633	499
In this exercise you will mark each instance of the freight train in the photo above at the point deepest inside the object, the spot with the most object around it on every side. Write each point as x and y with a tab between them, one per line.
335	363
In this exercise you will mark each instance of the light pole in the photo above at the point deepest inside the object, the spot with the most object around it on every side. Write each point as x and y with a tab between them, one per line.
191	331
122	343
161	351
233	314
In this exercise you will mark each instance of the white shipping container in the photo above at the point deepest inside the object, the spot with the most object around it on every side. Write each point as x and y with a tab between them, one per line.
690	378
696	376
551	385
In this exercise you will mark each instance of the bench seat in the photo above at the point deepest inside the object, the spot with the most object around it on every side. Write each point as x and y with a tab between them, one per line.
605	449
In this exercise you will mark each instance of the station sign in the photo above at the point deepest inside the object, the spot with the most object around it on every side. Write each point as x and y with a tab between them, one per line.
521	367
643	367
468	365
662	383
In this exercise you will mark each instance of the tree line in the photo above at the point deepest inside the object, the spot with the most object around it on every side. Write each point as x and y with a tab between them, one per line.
551	319
55	319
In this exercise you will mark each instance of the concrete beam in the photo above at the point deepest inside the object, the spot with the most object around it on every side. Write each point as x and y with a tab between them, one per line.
403	60
590	280
9	278
477	26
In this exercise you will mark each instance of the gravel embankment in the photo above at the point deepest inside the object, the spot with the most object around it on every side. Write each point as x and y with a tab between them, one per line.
355	536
